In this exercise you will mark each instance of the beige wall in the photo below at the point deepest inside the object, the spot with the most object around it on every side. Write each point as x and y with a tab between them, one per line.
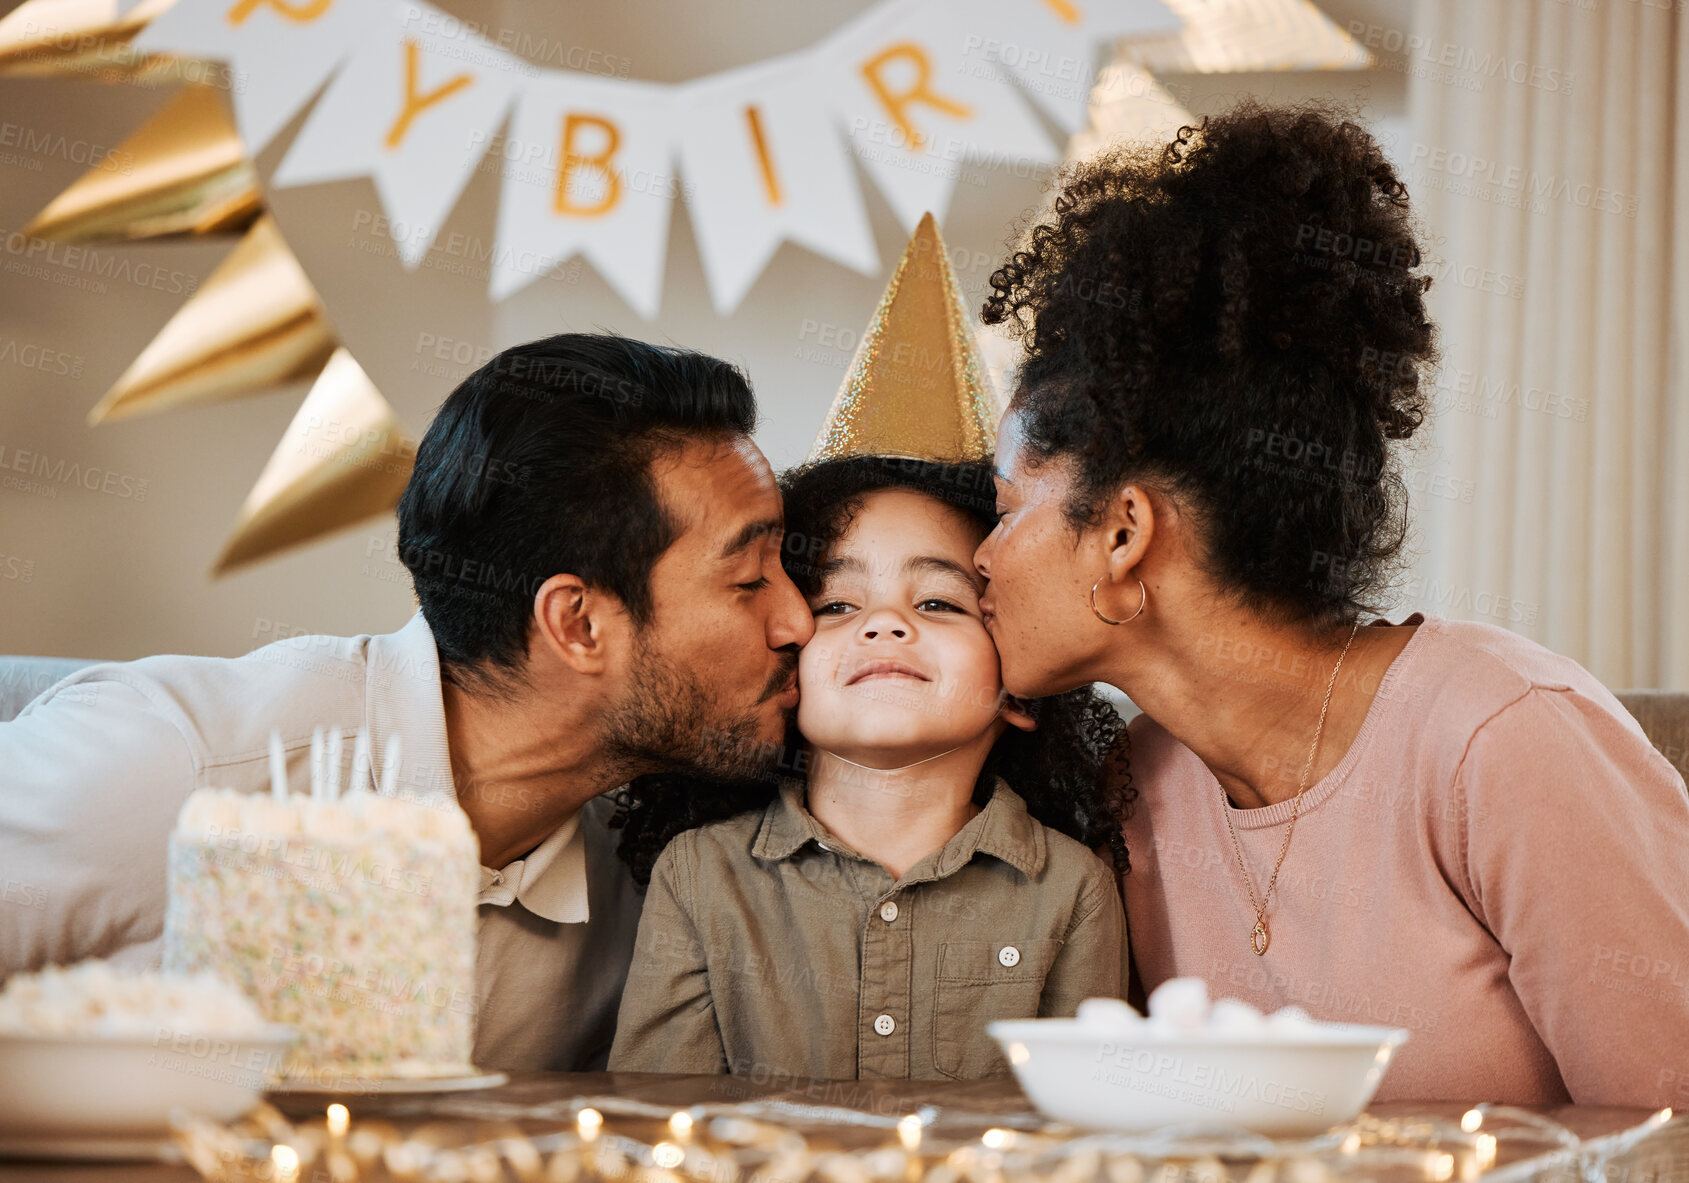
124	573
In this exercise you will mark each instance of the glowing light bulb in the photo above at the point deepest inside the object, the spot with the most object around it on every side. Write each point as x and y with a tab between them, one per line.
286	1161
1484	1151
589	1122
909	1133
339	1119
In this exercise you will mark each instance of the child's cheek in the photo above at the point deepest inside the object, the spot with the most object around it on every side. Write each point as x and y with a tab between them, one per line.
972	682
818	661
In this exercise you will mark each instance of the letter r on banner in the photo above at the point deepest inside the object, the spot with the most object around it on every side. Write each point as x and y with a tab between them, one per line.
897	105
573	159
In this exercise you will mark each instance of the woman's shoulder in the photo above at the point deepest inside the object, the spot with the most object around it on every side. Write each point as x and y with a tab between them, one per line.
1459	674
1156	755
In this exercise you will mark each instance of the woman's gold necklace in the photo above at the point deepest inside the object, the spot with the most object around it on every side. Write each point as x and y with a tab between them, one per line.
1258	936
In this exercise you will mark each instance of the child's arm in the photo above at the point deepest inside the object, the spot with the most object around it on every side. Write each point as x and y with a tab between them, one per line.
1093	961
667	1021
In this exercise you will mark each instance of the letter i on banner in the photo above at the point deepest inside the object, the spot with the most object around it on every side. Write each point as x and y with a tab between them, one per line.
759	140
764	164
919	116
588	170
415	108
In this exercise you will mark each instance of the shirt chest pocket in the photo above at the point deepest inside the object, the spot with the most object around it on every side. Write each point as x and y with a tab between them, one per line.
977	983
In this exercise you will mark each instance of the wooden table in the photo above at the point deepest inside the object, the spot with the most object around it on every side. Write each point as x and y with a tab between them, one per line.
990	1101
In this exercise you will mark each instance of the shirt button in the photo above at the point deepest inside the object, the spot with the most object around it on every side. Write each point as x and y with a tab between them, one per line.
885	1024
888	911
1008	956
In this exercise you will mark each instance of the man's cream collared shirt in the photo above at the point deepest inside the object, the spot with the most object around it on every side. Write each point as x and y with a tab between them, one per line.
94	771
549	881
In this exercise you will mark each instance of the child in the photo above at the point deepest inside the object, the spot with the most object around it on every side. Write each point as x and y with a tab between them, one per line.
924	869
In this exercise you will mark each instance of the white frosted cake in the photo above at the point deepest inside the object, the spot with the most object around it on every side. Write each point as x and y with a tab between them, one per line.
352	921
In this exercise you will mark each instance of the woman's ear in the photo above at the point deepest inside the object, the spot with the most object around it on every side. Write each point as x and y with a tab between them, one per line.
1017	712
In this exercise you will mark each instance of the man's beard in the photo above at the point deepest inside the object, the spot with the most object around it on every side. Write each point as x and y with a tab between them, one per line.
665	723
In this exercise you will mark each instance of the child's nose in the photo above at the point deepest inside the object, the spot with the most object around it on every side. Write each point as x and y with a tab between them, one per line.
889	631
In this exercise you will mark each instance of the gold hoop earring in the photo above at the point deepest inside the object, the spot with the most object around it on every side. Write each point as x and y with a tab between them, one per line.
1143	592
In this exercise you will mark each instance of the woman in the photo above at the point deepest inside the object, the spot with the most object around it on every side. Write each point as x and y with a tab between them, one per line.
1435	825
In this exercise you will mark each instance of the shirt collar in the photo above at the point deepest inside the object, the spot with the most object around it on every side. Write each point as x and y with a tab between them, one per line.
550	882
1003	829
402	696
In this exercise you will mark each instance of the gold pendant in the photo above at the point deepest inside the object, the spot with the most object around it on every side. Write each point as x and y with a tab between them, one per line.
1258	938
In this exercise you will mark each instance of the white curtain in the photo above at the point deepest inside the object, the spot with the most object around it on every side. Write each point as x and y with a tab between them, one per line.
1549	162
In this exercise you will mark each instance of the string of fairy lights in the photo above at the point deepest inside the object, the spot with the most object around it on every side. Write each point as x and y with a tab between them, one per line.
613	1140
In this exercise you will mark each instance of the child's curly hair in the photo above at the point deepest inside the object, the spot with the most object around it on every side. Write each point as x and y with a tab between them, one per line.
1238	316
1070	771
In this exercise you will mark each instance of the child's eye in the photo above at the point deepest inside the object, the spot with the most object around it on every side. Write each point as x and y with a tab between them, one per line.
942	604
832	608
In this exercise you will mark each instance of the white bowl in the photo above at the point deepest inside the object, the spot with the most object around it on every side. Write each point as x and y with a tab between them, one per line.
1274	1084
72	1086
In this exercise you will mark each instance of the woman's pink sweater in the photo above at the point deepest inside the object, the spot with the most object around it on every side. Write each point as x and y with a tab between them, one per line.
1499	864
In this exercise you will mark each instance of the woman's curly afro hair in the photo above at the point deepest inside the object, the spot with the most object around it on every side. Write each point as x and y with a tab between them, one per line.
1237	318
1069	771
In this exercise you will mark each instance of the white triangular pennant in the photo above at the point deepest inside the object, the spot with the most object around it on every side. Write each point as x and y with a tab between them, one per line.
588	170
1051	47
415	108
763	164
1128	105
916	111
1222	36
279	51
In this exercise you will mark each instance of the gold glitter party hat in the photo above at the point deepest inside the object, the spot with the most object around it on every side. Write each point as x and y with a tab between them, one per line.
917	386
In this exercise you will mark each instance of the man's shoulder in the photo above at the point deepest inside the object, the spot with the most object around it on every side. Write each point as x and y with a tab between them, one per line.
289	685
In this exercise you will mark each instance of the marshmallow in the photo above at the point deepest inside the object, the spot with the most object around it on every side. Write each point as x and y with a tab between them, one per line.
1180	1003
1109	1014
94	998
1232	1017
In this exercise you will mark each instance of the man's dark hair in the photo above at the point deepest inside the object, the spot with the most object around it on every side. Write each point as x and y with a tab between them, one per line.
539	463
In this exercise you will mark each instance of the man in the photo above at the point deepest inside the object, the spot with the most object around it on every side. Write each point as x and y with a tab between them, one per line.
595	545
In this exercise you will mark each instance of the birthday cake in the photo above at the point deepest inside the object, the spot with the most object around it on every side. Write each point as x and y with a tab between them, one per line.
351	920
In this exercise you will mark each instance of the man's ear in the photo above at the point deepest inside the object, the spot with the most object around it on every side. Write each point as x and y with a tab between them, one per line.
1017	713
573	622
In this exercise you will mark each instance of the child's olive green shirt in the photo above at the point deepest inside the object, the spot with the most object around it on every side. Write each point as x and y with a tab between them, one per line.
769	947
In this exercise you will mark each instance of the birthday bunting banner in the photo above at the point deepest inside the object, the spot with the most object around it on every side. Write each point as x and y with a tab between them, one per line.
919	92
918	95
